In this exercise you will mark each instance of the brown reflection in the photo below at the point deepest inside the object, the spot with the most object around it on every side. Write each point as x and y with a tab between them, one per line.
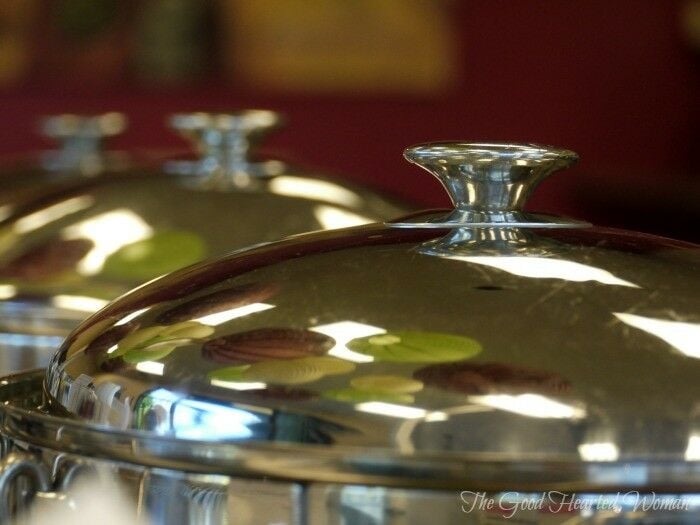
111	337
216	302
47	260
283	393
266	344
491	378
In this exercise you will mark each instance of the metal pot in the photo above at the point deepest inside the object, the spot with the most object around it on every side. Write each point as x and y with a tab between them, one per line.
474	365
86	240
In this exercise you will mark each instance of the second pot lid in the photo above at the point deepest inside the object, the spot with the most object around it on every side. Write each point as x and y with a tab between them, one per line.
67	253
466	348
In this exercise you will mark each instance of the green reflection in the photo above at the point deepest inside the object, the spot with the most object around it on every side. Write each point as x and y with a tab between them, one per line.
416	347
155	342
352	395
284	372
155	256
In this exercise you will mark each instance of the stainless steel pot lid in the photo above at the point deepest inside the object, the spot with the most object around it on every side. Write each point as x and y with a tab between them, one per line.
528	352
65	254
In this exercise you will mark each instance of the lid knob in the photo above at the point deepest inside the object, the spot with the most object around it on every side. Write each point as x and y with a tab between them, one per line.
489	179
225	141
80	138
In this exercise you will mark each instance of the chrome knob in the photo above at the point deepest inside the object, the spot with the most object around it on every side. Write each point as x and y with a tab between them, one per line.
80	138
489	178
225	141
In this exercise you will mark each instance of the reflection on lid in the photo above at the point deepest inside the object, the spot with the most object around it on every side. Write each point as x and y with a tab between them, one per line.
599	443
392	410
546	268
684	337
692	453
332	218
78	302
156	342
155	255
229	302
238	385
5	211
150	367
225	316
284	372
263	344
51	213
345	331
166	412
319	190
531	405
130	317
193	419
109	232
475	379
7	291
416	347
602	451
47	260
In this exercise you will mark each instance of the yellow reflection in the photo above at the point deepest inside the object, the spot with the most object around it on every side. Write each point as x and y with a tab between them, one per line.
331	218
222	317
133	315
692	453
79	303
345	331
547	268
603	451
313	189
684	337
51	213
392	410
433	417
235	385
7	291
109	232
531	405
151	367
6	211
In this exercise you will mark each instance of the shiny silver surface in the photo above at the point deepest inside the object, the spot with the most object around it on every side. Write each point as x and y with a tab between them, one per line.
405	343
490	183
65	254
394	359
515	344
71	485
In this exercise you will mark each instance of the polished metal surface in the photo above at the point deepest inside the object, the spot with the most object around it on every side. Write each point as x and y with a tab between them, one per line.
334	377
65	486
67	253
490	183
384	339
463	356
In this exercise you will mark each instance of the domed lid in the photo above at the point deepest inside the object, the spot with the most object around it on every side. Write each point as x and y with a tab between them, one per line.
65	254
482	348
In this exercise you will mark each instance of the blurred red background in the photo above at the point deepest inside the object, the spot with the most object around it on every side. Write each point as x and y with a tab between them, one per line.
615	81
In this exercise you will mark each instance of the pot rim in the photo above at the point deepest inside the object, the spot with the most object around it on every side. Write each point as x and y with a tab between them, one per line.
339	464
